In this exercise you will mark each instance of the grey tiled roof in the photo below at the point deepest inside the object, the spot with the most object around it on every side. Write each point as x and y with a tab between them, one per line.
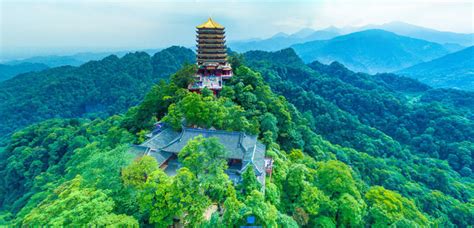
160	156
238	145
161	139
137	150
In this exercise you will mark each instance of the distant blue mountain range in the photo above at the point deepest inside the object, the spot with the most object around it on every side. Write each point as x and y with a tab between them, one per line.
73	60
455	70
414	31
282	40
451	40
371	51
12	68
388	47
9	71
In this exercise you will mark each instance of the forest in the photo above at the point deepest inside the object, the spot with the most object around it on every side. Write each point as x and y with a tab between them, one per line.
349	150
95	89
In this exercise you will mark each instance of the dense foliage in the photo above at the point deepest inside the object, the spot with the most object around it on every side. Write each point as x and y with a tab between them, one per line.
419	142
362	176
95	89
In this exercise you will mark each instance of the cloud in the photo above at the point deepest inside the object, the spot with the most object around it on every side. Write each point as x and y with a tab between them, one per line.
84	25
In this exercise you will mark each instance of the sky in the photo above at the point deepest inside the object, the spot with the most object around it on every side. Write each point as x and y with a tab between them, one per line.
41	27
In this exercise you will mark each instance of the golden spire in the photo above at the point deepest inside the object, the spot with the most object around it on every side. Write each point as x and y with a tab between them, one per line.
210	24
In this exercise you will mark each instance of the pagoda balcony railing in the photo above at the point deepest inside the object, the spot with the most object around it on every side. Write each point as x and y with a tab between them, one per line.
202	61
218	36
210	41
212	56
212	60
219	55
211	82
224	75
216	51
211	48
211	45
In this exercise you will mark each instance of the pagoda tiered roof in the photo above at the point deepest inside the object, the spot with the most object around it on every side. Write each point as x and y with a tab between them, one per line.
213	68
210	24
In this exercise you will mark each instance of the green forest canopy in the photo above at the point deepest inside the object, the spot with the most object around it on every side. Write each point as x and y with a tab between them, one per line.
94	89
362	174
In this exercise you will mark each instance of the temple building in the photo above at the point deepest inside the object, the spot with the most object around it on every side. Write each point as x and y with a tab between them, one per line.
213	68
242	151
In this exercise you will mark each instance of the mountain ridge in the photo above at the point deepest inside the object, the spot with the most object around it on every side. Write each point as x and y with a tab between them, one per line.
94	89
371	51
455	70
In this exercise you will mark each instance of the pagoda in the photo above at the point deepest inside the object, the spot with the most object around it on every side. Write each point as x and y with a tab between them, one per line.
213	68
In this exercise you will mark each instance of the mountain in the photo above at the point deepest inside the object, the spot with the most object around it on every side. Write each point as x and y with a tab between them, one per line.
374	100
95	89
9	71
348	150
402	125
455	70
283	40
450	40
72	60
371	51
419	32
303	33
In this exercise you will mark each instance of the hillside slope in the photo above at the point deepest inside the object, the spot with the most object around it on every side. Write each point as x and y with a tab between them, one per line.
9	71
455	70
95	89
371	51
52	165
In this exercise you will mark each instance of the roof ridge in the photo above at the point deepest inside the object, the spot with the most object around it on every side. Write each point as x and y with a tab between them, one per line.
174	140
150	139
217	131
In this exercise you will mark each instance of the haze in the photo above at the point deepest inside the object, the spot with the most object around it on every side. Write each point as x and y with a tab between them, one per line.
31	28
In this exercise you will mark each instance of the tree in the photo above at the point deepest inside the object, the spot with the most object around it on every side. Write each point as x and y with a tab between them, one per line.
286	221
311	199
89	205
115	220
335	179
205	158
387	207
350	210
249	182
206	92
269	123
184	76
186	198
203	155
296	180
265	213
233	211
139	171
154	198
